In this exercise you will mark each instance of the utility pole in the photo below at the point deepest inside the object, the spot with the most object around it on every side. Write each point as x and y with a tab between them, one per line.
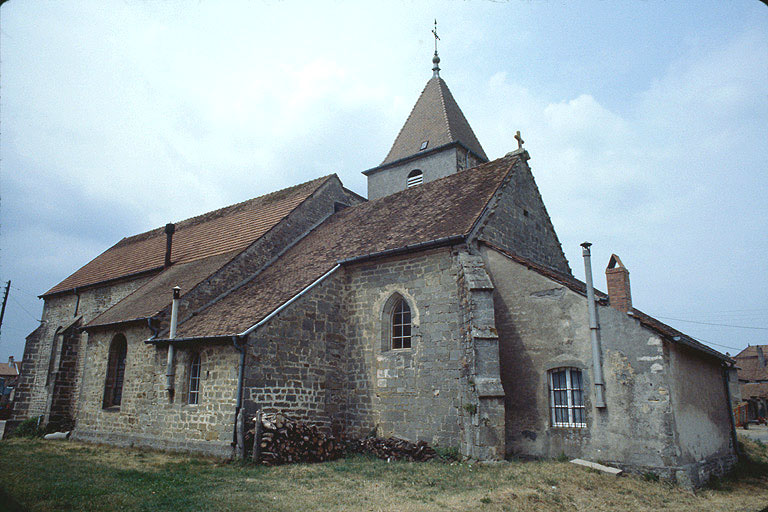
5	299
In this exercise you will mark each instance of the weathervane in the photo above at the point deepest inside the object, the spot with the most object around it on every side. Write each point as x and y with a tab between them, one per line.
435	59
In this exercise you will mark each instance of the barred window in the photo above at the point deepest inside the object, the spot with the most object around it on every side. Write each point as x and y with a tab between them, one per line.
415	177
113	385
194	380
566	398
401	325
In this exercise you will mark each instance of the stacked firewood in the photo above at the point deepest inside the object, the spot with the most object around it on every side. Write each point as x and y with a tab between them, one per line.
278	440
397	449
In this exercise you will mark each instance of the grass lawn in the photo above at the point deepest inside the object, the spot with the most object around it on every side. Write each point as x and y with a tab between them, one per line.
61	475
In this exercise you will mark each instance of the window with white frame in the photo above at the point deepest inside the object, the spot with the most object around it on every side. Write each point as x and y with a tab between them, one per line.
566	398
401	325
194	380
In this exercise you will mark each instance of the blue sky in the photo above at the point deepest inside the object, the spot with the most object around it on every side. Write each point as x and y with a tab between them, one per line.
647	124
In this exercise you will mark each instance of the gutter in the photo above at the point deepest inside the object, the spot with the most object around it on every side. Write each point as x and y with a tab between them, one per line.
438	242
240	347
101	283
421	154
287	303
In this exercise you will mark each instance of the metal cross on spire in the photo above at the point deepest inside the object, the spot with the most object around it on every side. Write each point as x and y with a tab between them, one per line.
435	59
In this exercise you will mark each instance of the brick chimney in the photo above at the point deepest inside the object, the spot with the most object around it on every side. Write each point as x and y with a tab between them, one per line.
617	277
760	356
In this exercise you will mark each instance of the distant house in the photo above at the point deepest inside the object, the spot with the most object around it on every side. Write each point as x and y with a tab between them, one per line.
753	380
9	376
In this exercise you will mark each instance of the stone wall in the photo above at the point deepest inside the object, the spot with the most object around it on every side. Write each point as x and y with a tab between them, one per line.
410	393
482	412
518	221
147	416
294	363
42	353
544	325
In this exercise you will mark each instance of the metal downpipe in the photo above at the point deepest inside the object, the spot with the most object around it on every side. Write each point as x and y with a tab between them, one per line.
594	328
239	402
170	372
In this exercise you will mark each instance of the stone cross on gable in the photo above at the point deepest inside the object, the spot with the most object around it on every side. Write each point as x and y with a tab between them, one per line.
520	140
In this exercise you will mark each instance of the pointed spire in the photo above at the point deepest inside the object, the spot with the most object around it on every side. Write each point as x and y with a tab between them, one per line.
436	58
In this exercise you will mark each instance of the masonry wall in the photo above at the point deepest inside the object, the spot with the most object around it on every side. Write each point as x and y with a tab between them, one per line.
410	393
544	325
43	350
147	416
434	166
295	362
316	208
519	222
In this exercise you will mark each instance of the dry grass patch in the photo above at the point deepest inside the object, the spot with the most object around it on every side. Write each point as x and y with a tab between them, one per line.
45	476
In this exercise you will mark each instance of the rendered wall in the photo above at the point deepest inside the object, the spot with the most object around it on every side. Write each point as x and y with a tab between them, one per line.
544	325
393	179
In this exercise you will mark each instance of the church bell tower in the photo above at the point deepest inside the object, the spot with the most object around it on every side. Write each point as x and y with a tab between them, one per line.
435	141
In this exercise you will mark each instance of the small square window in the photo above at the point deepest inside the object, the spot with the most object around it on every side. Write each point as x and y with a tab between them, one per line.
424	145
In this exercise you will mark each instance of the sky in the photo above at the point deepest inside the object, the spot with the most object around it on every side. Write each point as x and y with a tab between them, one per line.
646	122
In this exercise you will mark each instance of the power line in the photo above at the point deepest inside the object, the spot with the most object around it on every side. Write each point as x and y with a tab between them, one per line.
25	310
713	343
24	291
710	323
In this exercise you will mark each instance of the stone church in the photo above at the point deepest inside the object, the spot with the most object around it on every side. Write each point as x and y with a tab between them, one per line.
442	308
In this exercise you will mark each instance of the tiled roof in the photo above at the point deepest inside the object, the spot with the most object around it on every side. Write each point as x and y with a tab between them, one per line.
750	389
156	294
581	288
7	370
437	119
749	363
435	210
221	231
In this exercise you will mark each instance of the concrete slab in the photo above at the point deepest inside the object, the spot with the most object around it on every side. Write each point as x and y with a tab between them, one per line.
599	467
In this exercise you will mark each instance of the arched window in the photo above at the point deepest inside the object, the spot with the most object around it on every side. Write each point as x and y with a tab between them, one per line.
401	325
415	177
566	398
113	386
194	380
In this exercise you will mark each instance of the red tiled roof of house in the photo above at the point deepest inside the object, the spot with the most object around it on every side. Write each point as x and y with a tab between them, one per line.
754	389
228	229
8	370
749	365
436	210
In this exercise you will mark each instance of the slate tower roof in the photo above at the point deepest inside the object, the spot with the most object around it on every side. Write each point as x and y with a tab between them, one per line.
437	120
